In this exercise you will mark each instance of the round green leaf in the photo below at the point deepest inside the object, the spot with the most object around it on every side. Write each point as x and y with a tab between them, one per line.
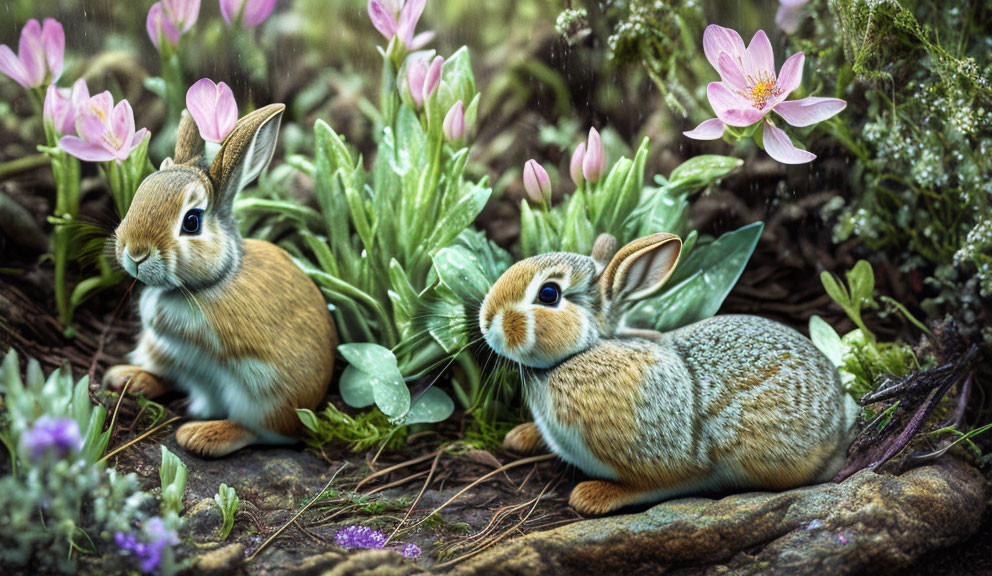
356	388
370	358
391	395
434	405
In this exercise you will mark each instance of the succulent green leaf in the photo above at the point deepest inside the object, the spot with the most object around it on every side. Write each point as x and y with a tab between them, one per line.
434	405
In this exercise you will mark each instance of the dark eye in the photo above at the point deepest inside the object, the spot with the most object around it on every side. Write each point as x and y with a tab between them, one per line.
549	294
191	221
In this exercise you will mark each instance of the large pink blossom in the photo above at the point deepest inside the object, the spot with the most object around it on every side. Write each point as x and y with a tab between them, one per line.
104	132
213	108
39	57
750	89
399	18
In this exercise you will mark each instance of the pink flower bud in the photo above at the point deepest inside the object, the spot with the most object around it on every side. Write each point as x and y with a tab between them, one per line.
594	162
575	166
454	123
105	132
40	54
433	78
213	108
416	73
61	105
249	13
537	184
398	18
171	19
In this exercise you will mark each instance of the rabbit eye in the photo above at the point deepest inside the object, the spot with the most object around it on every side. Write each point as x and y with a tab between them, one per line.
549	294
192	221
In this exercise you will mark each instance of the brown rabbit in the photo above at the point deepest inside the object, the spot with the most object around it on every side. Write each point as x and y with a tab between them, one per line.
732	402
232	322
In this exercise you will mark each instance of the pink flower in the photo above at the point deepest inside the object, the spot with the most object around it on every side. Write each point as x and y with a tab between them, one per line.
575	166
789	15
399	18
537	184
422	79
250	12
61	105
213	108
105	132
453	126
750	89
172	19
40	53
594	160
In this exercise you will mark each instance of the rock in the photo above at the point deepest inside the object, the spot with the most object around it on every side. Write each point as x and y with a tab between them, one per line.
870	523
375	563
315	564
222	561
204	519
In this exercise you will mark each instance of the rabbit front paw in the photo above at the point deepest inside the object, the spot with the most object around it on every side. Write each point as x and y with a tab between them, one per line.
213	438
525	440
598	497
141	381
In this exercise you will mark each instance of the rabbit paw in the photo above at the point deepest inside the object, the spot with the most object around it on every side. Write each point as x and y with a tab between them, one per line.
141	382
525	440
213	438
598	497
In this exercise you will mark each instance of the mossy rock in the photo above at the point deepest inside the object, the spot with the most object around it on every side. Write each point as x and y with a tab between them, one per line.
868	524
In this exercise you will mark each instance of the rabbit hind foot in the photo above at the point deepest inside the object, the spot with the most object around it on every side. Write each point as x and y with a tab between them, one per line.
213	438
599	497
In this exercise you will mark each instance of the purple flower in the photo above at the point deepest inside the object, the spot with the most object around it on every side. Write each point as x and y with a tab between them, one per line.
410	550
575	166
359	537
213	108
453	126
148	551
48	434
250	13
594	160
105	132
40	53
172	19
537	184
750	89
61	105
398	18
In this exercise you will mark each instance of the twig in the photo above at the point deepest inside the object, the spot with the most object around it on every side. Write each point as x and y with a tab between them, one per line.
146	434
399	482
298	514
385	471
416	500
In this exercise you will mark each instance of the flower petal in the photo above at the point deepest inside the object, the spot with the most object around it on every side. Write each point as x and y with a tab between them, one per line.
788	18
256	12
213	109
229	10
791	74
717	39
421	40
809	111
11	65
137	139
31	52
779	147
122	124
711	129
383	20
731	72
732	108
86	151
53	39
759	60
409	17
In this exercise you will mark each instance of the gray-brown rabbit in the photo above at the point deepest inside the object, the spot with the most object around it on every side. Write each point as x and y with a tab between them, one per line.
732	402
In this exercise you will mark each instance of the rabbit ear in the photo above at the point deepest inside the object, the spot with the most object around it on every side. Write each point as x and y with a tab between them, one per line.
189	145
640	268
603	250
246	151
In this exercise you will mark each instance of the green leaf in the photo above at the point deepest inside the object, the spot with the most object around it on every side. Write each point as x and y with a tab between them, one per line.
372	359
835	290
309	419
356	387
827	340
861	278
461	215
434	405
460	270
528	231
700	171
391	396
333	146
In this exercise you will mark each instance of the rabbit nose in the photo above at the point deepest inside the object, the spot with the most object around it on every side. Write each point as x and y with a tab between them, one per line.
132	257
138	256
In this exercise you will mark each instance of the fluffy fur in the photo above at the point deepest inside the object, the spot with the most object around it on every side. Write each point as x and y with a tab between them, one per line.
234	323
732	402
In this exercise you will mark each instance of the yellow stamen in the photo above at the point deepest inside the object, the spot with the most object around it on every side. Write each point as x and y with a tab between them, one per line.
762	91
